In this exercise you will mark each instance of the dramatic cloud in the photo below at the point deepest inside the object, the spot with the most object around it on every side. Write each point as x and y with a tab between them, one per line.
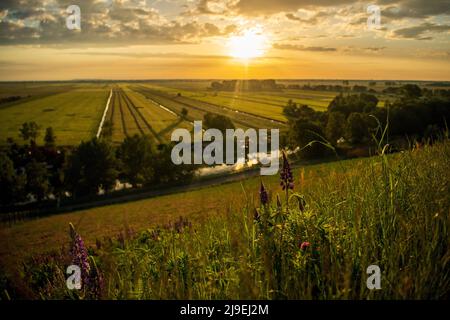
129	22
210	7
402	9
421	32
112	23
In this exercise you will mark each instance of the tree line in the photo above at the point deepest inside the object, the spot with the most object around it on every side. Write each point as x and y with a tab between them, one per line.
354	119
39	172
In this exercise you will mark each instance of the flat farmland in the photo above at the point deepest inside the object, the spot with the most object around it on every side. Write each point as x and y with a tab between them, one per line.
132	113
260	109
245	100
197	105
31	90
74	109
74	114
266	104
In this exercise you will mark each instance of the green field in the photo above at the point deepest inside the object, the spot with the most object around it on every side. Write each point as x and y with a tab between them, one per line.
131	113
198	108
74	114
74	109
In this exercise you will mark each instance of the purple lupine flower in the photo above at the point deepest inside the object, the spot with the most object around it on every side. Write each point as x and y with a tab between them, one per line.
286	177
79	255
263	196
96	283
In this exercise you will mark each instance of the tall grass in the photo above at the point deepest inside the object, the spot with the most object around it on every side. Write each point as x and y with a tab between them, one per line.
313	242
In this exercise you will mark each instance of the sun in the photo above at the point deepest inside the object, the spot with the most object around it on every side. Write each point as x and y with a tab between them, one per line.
249	45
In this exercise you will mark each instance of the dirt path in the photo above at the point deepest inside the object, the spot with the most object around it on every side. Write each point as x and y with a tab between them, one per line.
99	131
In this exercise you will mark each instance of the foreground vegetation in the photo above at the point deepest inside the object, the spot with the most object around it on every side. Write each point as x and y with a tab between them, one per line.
308	240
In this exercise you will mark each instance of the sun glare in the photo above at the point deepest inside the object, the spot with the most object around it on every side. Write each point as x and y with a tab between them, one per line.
251	44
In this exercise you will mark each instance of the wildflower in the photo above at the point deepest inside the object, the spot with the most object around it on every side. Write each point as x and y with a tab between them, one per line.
256	215
287	179
304	245
263	195
79	254
96	283
182	224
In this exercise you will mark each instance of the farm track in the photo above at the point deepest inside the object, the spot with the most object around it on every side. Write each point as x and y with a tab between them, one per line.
135	111
124	127
146	91
131	110
113	109
131	118
104	115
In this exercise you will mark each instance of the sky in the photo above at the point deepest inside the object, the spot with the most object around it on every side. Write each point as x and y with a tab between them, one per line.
225	39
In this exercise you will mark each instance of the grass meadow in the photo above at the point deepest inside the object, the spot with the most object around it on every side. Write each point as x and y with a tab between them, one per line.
74	114
238	241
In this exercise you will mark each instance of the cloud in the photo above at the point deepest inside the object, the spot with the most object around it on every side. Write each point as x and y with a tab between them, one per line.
420	32
314	19
258	7
374	49
102	23
296	47
210	7
401	9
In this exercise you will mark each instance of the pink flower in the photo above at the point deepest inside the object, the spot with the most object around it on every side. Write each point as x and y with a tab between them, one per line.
304	245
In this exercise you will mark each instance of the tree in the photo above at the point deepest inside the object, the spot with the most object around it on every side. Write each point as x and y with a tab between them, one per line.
217	121
37	179
335	126
412	90
136	155
50	137
29	131
353	103
356	127
12	185
91	166
167	171
184	113
306	135
294	112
